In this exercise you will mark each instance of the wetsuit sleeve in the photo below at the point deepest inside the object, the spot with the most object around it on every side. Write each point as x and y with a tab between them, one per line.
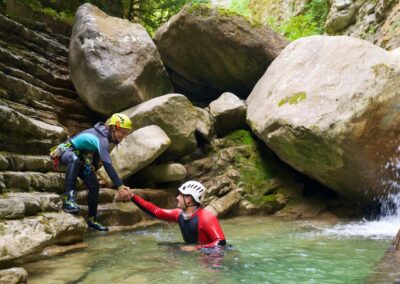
112	174
170	215
213	230
106	159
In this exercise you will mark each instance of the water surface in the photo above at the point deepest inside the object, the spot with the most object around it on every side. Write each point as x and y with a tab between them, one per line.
264	250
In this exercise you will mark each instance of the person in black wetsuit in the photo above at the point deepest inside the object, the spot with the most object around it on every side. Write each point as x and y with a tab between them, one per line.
81	155
198	225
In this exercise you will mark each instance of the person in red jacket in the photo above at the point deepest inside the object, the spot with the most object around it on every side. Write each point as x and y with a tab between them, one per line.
198	225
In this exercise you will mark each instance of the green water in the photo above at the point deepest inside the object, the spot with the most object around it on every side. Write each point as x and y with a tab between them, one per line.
264	250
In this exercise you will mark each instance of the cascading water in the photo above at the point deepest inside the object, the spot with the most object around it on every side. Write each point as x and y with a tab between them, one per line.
388	223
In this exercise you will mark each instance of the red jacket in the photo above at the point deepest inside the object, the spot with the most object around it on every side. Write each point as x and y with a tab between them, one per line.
201	228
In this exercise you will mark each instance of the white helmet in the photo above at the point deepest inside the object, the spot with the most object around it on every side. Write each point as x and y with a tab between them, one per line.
193	188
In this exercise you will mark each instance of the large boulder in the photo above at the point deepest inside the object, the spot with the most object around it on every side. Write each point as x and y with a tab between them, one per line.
175	114
229	113
114	64
334	115
213	48
136	151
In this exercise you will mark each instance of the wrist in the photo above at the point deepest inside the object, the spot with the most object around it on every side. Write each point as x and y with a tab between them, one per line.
131	196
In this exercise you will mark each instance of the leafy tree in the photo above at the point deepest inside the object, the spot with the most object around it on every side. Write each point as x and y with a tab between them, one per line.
152	13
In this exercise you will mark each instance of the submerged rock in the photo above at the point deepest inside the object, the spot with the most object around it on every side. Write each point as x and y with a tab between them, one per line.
114	64
334	115
208	48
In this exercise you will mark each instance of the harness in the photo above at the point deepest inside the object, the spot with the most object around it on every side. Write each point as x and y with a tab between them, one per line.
57	151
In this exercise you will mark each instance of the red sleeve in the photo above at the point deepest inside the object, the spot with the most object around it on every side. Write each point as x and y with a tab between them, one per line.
213	231
170	215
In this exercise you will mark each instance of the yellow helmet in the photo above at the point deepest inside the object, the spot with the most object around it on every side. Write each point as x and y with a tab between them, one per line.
120	120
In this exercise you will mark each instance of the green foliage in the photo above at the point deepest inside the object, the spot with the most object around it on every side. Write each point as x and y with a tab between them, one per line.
293	99
152	13
241	7
318	11
64	16
299	26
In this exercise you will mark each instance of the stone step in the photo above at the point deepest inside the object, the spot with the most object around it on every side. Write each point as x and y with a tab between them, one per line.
41	28
21	163
31	235
17	73
11	181
46	43
30	137
22	92
51	74
17	205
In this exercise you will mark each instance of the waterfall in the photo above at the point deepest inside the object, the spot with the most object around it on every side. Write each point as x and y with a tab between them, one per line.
388	223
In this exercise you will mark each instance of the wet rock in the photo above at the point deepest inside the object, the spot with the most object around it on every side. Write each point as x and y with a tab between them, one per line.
114	63
229	113
136	151
174	114
215	49
30	235
14	276
204	125
60	250
320	124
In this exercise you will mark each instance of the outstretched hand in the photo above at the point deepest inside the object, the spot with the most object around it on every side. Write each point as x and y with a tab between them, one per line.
124	194
188	248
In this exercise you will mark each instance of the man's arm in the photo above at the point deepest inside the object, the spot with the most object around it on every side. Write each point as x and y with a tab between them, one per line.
170	215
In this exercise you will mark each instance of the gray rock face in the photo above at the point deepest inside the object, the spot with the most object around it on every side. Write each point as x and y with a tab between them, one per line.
31	235
223	205
335	115
165	172
38	136
136	151
14	276
204	125
229	113
113	63
212	48
174	114
375	21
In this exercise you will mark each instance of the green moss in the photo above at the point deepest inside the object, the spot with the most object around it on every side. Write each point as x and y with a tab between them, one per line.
383	71
240	137
293	99
200	8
